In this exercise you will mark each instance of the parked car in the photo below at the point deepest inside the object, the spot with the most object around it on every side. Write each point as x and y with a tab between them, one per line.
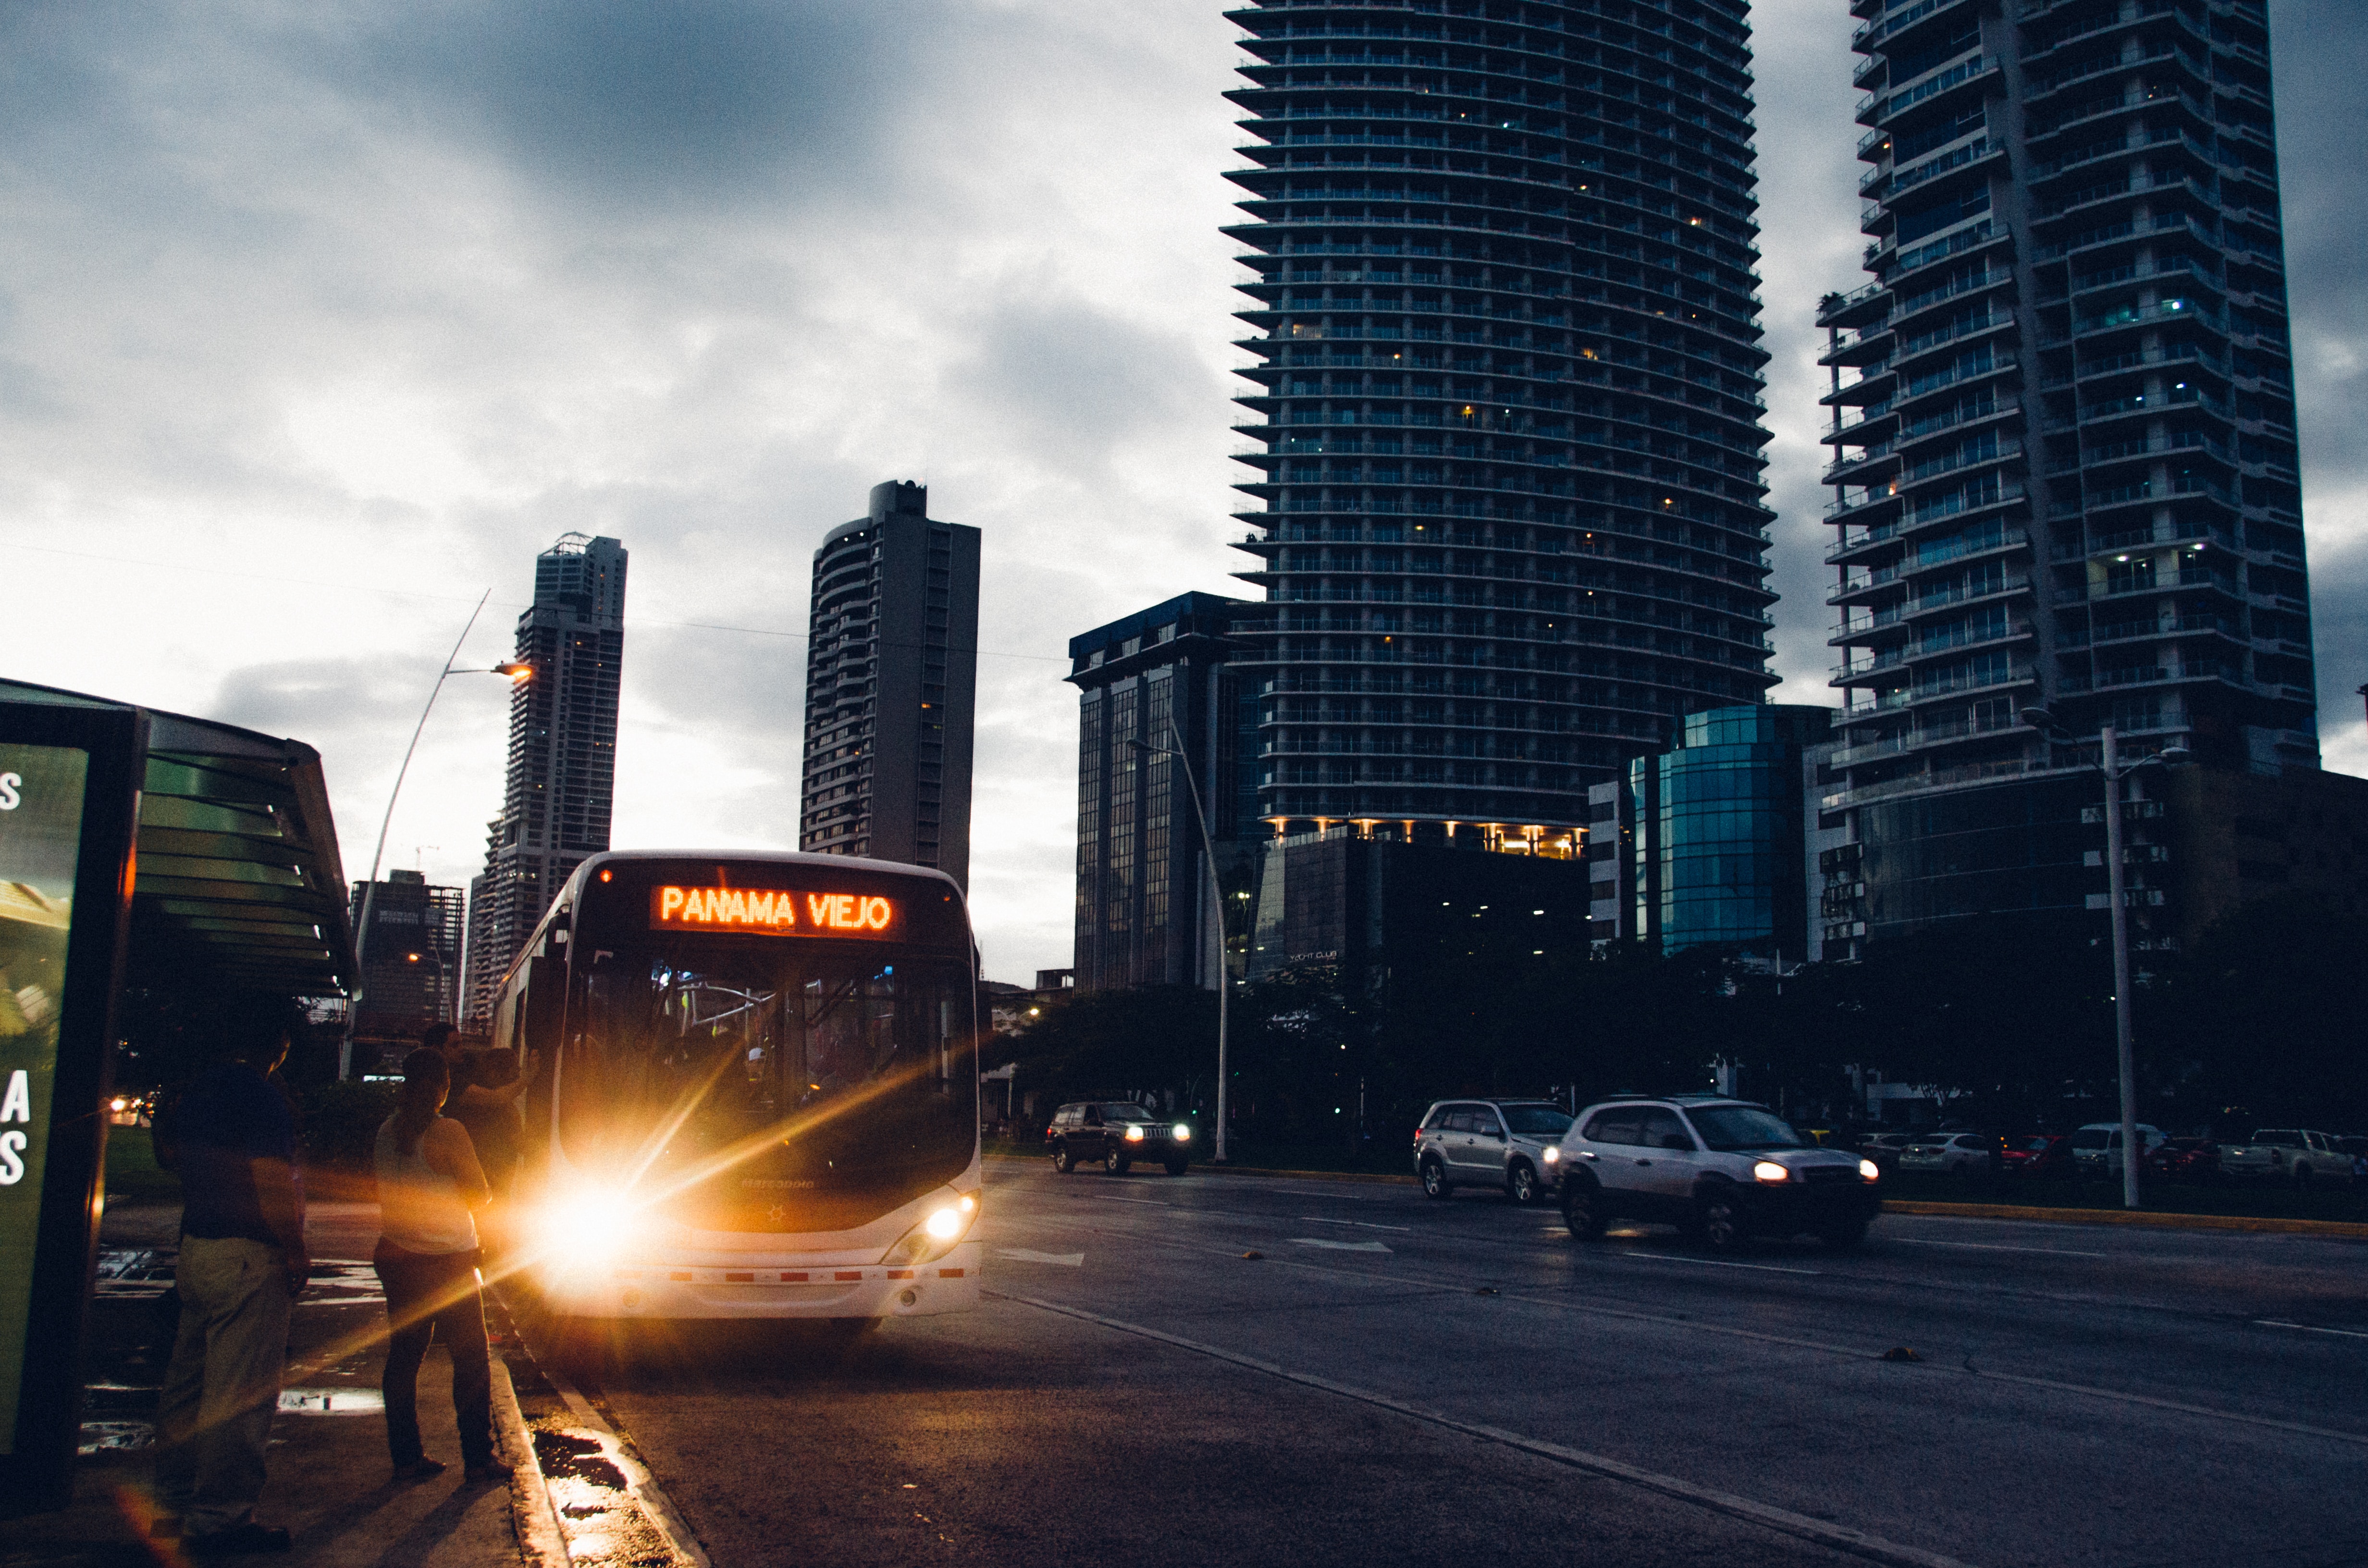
1117	1133
1513	1145
2184	1159
2098	1146
2285	1154
2037	1155
1723	1169
1885	1148
1957	1153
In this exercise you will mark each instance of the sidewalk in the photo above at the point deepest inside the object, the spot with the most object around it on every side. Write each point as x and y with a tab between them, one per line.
330	1481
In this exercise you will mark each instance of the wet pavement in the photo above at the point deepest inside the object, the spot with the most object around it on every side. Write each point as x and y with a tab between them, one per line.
1392	1380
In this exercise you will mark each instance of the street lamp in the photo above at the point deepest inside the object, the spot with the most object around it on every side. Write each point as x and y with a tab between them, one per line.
2109	764
1216	910
519	673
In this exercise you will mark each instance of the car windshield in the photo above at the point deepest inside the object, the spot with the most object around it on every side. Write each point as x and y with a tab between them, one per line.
2036	1145
1536	1121
1127	1113
2276	1135
1730	1127
2089	1138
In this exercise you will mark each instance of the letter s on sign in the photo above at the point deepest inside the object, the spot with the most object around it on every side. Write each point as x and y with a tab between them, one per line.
12	1158
10	783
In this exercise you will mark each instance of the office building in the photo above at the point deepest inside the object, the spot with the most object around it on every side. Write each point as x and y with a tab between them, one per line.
1508	498
1716	842
1161	715
1365	910
2064	433
561	783
891	679
410	956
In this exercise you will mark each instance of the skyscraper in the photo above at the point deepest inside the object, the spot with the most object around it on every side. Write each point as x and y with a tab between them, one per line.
410	954
2065	470
891	679
563	757
1507	396
1162	678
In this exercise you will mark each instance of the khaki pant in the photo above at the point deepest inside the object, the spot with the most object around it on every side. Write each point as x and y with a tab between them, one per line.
213	1416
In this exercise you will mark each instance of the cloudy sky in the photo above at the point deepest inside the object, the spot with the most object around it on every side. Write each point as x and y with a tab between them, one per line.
318	321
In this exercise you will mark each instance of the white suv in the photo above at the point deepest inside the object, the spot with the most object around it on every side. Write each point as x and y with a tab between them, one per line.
1723	1169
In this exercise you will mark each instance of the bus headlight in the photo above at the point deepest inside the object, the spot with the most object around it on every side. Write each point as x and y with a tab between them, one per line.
1134	1134
588	1230
937	1233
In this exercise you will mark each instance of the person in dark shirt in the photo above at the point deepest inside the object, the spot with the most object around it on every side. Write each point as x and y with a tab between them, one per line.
243	1264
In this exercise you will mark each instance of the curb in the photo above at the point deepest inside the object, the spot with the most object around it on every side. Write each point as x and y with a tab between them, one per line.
541	1540
1212	1169
2143	1218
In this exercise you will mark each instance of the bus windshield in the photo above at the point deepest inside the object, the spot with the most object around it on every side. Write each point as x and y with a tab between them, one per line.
755	1076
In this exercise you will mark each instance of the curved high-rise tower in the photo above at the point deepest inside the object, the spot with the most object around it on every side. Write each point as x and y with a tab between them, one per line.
1506	398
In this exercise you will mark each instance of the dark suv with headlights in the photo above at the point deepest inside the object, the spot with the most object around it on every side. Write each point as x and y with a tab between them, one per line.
1116	1133
1722	1169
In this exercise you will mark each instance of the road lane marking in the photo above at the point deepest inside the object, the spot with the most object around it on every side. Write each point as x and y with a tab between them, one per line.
1337	1246
1712	1261
1027	1255
1841	1537
2308	1328
1145	1202
1992	1247
1360	1225
1852	1353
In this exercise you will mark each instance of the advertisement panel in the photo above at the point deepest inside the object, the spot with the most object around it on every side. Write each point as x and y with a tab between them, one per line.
41	842
69	796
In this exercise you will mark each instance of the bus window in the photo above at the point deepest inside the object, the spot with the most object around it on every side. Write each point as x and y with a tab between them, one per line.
707	1054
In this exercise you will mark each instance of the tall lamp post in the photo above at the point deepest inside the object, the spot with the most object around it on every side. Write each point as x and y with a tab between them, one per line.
518	672
2109	764
1216	910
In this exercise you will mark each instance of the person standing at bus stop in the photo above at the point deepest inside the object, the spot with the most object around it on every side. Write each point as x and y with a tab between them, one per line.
242	1266
429	1185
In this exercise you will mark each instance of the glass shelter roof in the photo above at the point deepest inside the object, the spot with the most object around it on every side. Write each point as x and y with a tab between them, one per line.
238	885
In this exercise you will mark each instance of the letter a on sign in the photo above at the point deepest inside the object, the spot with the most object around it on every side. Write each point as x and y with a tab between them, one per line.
17	1104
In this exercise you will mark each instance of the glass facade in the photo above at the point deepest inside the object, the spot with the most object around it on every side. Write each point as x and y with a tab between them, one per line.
1504	401
1160	676
1722	838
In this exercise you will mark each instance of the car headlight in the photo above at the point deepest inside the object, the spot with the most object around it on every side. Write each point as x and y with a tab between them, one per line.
1134	1134
1770	1172
1869	1171
938	1234
1183	1133
1553	1155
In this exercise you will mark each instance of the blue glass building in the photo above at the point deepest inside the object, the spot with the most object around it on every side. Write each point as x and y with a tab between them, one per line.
1718	833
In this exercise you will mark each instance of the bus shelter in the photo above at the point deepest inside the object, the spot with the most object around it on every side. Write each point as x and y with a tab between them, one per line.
137	847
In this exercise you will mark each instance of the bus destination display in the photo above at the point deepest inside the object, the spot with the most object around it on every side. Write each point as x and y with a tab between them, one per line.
771	912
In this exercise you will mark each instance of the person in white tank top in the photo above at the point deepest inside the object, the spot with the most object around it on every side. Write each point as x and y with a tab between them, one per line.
429	1188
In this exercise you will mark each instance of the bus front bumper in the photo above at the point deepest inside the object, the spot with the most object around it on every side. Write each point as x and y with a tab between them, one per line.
823	1290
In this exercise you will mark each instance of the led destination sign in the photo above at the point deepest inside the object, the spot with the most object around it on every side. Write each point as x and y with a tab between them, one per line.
771	912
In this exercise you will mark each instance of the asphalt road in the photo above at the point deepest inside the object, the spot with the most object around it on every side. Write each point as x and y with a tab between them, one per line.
1403	1381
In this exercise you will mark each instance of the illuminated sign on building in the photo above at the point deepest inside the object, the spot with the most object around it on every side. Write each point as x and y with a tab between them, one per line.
771	912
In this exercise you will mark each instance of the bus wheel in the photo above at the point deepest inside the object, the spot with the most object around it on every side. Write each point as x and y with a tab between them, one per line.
1063	1161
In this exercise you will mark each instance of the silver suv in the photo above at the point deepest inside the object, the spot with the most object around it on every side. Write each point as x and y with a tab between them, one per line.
1723	1169
1512	1145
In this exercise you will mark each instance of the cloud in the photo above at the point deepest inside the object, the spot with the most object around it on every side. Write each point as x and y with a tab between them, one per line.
318	321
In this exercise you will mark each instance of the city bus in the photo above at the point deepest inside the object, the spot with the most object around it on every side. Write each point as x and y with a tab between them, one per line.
752	1091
